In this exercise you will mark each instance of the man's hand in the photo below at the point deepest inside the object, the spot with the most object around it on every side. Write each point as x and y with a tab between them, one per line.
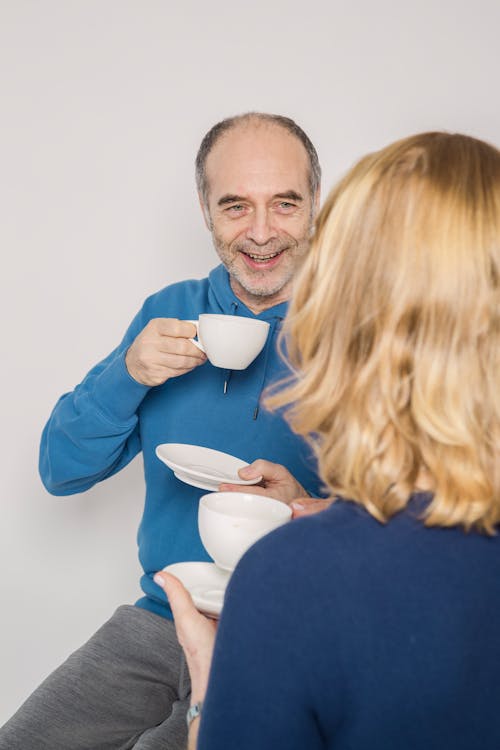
307	506
162	350
277	482
195	632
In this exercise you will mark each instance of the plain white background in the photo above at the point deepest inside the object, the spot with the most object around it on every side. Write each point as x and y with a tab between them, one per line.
103	104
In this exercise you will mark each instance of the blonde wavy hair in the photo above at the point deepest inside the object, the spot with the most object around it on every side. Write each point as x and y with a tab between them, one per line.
394	332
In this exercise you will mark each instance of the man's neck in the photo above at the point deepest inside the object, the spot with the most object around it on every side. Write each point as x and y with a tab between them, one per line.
259	303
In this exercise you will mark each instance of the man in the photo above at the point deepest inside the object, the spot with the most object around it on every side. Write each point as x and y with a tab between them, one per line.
258	182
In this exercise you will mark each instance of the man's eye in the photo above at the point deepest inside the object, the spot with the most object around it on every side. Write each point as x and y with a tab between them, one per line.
236	208
286	205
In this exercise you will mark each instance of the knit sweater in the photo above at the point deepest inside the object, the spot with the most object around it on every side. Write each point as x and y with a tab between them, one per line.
339	632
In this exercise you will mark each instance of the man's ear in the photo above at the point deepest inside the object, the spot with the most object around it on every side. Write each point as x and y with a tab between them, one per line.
205	212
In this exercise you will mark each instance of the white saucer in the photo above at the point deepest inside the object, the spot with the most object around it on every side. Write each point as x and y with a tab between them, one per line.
202	467
205	582
203	484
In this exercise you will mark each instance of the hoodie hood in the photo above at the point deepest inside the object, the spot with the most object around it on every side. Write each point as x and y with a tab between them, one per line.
222	297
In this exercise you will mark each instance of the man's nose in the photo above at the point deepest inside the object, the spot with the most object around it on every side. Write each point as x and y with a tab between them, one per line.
260	229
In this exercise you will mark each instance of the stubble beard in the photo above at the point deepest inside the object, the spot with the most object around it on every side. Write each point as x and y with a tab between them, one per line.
256	283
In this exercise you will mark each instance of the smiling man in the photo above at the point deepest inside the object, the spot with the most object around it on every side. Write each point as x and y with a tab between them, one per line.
260	216
258	183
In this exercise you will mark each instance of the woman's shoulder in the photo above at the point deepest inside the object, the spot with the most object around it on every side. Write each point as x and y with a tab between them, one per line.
302	548
346	539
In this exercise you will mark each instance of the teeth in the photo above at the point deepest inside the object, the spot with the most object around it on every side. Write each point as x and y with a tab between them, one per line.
263	257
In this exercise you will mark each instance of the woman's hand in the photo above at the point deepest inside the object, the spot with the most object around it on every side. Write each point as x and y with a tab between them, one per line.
277	482
196	633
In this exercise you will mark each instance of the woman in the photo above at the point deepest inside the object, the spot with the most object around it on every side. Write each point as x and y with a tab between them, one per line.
376	624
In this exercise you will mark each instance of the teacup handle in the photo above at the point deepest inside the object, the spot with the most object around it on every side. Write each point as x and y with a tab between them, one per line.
196	342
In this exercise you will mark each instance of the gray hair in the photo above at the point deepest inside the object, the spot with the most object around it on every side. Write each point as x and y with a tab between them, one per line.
223	126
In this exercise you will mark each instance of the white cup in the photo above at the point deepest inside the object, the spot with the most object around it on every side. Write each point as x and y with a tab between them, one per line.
230	341
230	522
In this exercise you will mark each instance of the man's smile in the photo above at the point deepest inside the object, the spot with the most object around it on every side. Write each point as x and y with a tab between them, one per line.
256	260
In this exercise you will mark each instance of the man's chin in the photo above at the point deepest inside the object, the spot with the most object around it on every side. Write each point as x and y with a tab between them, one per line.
261	290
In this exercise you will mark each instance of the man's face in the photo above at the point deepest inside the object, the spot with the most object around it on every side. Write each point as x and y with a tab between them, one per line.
259	210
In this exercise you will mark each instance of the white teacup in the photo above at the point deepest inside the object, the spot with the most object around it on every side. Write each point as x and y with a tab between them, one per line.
230	522
230	341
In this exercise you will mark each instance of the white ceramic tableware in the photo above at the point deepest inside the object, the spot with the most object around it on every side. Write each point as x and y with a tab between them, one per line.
230	522
205	582
202	467
202	484
230	341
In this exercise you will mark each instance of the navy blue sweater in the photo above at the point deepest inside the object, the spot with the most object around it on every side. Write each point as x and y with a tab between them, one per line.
340	632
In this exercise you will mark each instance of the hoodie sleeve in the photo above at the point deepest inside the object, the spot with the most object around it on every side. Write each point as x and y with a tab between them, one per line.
92	432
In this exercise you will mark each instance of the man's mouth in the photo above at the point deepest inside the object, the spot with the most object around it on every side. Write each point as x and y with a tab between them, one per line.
256	259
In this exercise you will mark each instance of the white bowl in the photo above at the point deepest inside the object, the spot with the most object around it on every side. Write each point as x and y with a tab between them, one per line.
230	522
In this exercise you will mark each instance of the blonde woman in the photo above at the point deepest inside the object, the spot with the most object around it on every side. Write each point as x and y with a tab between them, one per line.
376	623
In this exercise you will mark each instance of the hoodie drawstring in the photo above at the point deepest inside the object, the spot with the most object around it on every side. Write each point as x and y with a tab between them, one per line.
228	373
227	378
275	324
269	343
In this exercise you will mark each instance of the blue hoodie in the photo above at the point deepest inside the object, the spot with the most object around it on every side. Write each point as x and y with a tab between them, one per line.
95	430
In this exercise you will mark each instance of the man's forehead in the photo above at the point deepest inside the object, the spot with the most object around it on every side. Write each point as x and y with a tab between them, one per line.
250	155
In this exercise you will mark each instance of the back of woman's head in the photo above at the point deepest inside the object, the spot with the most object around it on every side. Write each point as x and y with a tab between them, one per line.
394	331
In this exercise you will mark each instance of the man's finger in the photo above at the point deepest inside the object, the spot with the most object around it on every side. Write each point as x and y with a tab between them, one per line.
254	489
179	361
307	506
178	347
176	328
267	469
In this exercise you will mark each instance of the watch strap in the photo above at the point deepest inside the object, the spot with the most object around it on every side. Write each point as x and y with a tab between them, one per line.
193	712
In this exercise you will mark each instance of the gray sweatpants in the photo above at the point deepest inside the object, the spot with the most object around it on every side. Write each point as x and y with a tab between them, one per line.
127	687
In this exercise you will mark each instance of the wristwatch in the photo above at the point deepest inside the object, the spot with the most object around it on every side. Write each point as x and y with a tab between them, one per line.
193	712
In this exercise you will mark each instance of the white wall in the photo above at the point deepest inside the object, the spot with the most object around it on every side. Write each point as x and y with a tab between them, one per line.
103	104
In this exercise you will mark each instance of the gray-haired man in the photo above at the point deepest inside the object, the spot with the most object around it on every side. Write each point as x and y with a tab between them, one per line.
258	182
